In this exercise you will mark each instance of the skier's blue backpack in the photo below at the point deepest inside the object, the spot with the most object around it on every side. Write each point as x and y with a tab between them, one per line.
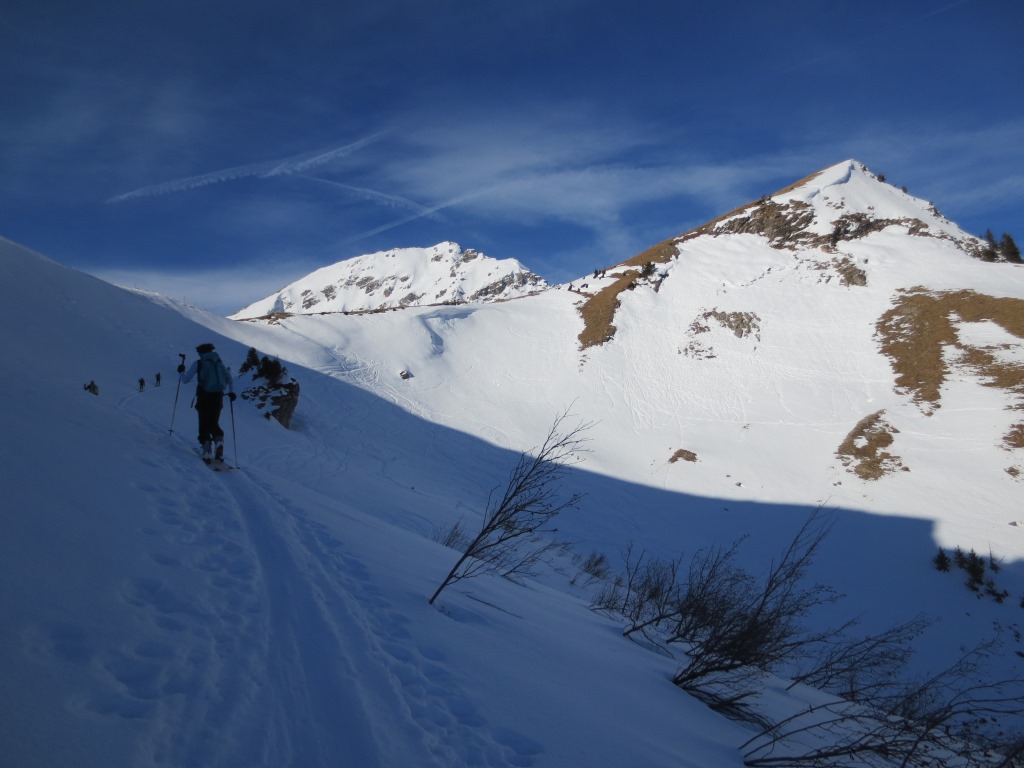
212	376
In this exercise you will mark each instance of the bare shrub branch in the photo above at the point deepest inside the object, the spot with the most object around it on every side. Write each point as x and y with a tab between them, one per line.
592	568
510	541
733	625
946	719
652	592
860	668
452	536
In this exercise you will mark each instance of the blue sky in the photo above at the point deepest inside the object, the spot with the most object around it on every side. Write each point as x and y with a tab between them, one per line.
215	151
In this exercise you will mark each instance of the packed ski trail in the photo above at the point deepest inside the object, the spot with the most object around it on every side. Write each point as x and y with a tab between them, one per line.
313	678
278	667
307	645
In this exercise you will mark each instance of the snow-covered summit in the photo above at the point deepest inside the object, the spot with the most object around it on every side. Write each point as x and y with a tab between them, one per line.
402	277
842	223
840	203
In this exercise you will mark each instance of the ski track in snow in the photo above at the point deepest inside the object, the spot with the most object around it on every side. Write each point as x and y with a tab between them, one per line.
275	654
366	374
305	667
185	677
451	728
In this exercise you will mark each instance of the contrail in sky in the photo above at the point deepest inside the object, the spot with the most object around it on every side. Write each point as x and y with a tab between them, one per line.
264	170
943	9
396	201
422	214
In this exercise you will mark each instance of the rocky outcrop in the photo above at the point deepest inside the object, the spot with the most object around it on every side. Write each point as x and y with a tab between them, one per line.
278	401
276	397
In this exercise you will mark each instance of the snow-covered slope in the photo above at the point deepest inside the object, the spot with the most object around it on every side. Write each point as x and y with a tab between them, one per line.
157	613
763	359
401	277
754	348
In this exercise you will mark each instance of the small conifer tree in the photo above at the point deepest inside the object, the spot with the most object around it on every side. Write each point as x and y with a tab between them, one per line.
271	370
941	560
959	558
975	567
1008	249
990	250
993	564
252	361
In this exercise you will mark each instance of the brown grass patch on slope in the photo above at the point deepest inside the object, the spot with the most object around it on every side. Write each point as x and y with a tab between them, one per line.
742	324
662	253
1014	438
863	451
683	455
711	227
849	272
921	325
599	311
784	225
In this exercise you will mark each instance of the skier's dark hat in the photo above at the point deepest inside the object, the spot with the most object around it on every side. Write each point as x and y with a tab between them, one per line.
202	349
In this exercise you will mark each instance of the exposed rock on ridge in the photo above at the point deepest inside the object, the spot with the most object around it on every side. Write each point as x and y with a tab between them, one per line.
816	218
404	277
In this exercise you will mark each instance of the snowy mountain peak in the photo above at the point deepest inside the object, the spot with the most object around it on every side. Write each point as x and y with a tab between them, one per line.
840	203
827	226
402	277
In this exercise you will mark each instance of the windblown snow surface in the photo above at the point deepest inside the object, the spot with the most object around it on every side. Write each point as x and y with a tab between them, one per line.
156	613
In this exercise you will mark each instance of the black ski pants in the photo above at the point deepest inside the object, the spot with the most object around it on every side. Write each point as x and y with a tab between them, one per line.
209	405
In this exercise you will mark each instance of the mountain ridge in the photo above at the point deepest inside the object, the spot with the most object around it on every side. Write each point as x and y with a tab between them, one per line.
786	219
398	278
787	293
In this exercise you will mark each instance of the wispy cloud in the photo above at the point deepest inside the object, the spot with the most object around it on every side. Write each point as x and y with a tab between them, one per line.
571	167
264	170
610	174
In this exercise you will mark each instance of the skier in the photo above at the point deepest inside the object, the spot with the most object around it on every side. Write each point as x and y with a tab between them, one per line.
142	384
91	387
213	383
157	378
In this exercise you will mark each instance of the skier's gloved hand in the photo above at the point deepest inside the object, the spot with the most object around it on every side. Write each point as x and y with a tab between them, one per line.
232	396
181	368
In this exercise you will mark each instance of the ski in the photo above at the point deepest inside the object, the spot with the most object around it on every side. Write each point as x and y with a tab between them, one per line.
217	465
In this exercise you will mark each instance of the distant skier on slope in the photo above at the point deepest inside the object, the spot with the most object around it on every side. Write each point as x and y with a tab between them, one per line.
213	383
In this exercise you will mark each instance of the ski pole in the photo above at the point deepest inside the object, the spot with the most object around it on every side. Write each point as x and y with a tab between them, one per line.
234	437
176	391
